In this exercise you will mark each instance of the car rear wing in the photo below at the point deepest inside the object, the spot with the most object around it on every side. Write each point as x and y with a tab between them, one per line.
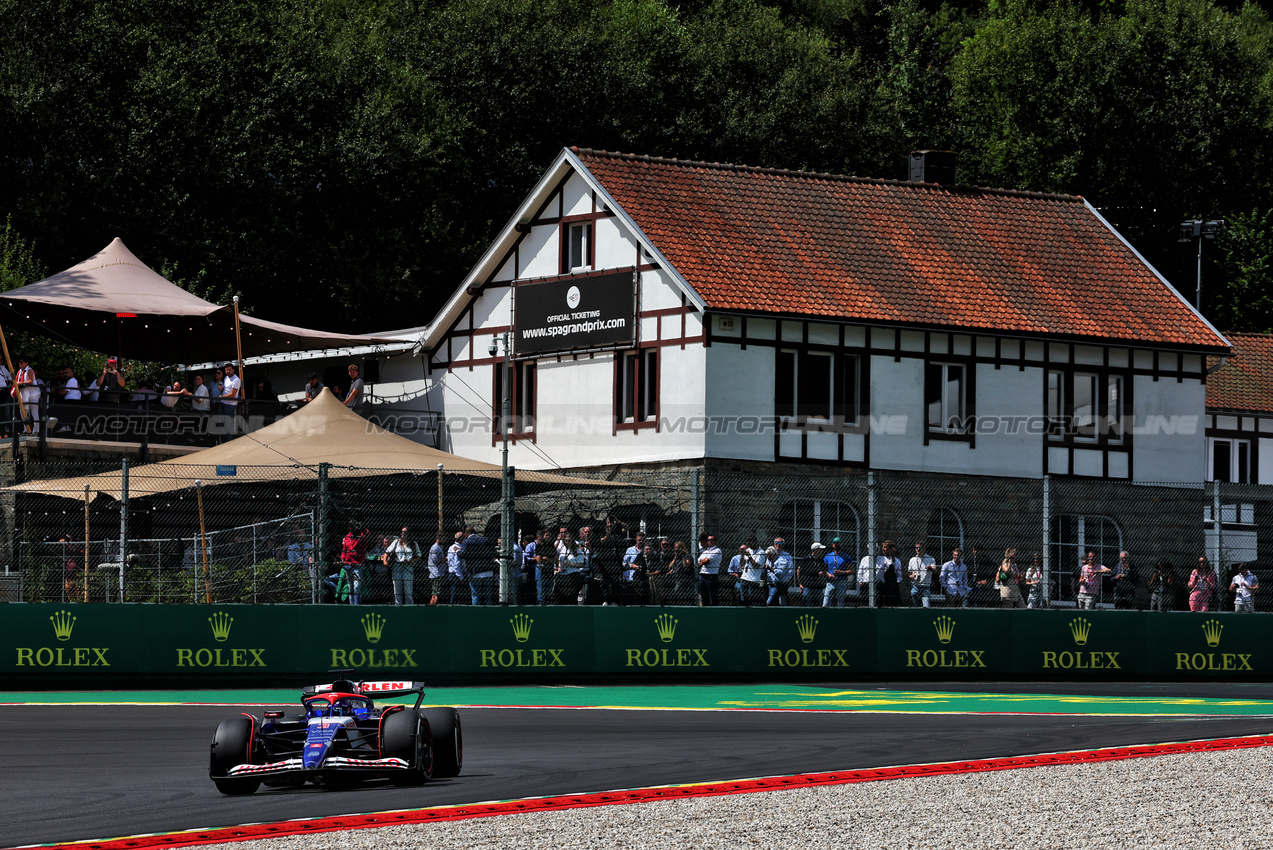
376	689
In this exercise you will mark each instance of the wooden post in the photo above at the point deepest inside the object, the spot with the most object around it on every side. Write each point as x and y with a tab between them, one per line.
439	498
8	364
238	350
203	544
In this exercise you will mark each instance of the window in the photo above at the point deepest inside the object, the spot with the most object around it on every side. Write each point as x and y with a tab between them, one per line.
1073	536
1229	460
945	532
946	398
521	399
821	386
1085	406
576	249
637	399
806	521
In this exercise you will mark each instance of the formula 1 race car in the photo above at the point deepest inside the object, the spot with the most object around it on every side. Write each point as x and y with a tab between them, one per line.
341	738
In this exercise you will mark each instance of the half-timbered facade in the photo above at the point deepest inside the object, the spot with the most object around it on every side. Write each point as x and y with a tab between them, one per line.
658	310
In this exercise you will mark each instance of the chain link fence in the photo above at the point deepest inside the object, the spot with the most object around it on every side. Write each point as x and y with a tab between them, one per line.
304	535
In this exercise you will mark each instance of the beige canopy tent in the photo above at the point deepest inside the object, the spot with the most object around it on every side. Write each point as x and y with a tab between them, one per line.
114	303
323	431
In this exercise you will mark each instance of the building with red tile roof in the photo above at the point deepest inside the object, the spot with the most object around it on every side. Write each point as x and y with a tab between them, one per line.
661	311
1239	422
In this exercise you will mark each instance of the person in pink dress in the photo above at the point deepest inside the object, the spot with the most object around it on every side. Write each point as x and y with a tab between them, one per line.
1202	586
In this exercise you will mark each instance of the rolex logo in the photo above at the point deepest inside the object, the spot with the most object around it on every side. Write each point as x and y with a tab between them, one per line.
221	623
945	627
1080	628
666	624
373	625
63	623
807	626
521	627
1212	629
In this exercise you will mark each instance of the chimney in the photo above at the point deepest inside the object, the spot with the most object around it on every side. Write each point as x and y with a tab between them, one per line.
933	167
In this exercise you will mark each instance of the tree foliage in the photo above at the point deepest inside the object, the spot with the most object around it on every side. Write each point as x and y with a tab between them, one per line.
342	163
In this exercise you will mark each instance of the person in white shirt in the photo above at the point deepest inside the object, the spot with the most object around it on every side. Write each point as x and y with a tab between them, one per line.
70	389
879	568
90	394
783	569
200	400
749	567
709	558
954	580
921	570
400	557
1243	586
172	394
231	389
25	387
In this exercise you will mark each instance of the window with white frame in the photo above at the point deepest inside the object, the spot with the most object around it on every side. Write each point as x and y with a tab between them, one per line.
637	398
946	398
804	522
1072	537
945	533
818	387
577	246
1085	406
521	399
1229	460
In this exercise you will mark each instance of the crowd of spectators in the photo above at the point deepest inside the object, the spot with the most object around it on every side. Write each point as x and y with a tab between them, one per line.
606	564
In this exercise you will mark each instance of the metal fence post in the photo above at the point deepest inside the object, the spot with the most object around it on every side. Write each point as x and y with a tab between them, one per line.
696	493
507	592
1047	550
123	524
1217	551
320	560
871	514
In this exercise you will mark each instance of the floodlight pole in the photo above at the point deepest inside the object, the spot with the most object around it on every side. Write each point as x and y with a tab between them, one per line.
506	594
1199	230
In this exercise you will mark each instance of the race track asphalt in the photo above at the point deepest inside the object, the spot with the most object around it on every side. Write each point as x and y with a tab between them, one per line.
81	772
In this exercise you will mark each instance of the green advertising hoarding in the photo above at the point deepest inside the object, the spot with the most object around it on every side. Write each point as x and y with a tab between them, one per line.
73	645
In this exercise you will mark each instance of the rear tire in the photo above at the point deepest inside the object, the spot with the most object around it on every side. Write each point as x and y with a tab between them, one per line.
448	740
230	747
406	736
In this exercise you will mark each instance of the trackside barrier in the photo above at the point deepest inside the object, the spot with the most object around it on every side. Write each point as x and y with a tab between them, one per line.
69	646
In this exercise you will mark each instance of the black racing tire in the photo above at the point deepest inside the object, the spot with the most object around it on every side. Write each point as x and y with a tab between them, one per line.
231	746
406	735
448	740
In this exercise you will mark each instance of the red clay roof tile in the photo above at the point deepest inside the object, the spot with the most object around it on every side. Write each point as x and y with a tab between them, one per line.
853	248
1245	381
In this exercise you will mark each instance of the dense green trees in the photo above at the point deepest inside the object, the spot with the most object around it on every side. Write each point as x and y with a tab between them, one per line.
341	163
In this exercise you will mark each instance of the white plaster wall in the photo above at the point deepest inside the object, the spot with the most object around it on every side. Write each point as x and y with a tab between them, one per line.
658	292
740	397
576	196
615	247
1169	443
898	422
493	307
538	252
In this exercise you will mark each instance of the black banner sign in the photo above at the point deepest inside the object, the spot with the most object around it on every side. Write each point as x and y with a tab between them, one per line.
582	312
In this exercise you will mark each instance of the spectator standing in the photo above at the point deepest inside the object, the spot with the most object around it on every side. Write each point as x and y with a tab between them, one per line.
837	571
1162	587
354	400
609	555
478	554
684	573
527	580
199	399
231	392
709	562
400	556
110	382
353	553
1034	582
313	387
1243	587
954	580
884	570
456	577
782	569
1090	581
981	578
572	566
662	578
1125	582
437	569
1008	580
628	575
546	569
1202	586
25	388
920	569
811	576
748	567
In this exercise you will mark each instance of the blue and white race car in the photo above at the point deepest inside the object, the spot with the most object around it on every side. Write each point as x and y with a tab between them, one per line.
342	738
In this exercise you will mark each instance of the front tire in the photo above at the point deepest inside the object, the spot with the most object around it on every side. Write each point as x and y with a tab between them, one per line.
406	735
448	740
231	746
